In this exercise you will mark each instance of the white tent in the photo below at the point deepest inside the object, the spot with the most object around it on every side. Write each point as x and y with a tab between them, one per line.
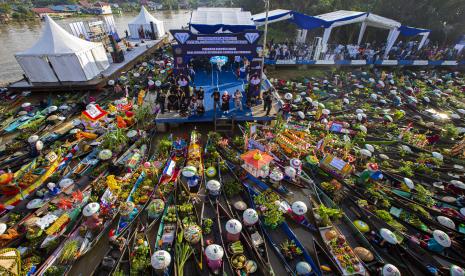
342	17
143	21
60	56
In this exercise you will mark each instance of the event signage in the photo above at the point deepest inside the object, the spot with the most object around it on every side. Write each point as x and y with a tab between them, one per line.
242	44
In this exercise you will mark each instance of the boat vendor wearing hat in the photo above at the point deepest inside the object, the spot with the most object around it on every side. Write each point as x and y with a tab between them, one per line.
91	212
297	211
214	254
372	172
437	243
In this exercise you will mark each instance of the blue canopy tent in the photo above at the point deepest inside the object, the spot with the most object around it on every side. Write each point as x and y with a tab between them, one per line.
328	21
220	20
411	31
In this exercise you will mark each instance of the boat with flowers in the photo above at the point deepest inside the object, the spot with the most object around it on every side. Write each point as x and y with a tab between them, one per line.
192	173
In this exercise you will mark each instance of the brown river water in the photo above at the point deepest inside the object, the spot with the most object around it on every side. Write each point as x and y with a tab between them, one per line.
19	36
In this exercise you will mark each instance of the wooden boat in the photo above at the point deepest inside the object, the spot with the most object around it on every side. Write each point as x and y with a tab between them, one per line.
413	230
138	197
276	238
408	258
140	253
58	224
241	249
167	233
116	255
253	234
192	174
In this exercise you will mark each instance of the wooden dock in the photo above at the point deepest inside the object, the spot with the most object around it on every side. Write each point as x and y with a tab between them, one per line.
131	58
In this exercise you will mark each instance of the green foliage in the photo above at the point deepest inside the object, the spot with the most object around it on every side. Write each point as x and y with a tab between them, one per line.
232	188
327	214
451	131
270	211
114	139
69	251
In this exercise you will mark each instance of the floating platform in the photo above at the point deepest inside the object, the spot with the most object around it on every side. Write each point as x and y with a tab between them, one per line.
130	59
223	81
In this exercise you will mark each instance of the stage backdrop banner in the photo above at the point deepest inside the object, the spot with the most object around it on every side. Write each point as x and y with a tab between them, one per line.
245	44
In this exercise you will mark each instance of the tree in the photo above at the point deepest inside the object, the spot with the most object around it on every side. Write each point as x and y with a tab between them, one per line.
5	8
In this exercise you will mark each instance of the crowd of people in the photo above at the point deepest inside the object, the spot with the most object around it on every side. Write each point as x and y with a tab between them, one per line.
368	51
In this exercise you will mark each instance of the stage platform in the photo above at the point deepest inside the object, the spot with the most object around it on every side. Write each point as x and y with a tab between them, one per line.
225	81
112	72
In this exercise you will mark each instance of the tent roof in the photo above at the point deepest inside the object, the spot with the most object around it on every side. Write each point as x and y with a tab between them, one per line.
273	16
341	15
55	41
144	17
211	20
381	22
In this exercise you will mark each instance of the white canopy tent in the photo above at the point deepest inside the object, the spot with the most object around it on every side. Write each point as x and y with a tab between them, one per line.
342	17
142	21
220	20
58	56
273	16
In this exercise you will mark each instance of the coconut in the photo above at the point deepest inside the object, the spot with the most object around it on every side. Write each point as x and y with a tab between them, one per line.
240	205
250	216
447	222
299	208
160	260
303	268
233	226
390	270
442	238
388	236
329	235
214	252
364	254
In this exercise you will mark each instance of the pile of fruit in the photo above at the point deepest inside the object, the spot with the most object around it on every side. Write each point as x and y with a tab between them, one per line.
170	216
342	252
290	250
238	261
236	247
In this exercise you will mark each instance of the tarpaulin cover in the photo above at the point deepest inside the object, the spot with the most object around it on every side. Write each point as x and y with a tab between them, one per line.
213	20
411	31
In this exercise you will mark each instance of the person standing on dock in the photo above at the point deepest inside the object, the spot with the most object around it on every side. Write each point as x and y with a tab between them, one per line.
216	99
267	100
238	100
161	98
225	99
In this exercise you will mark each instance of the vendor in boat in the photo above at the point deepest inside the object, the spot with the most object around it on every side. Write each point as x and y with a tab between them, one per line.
297	211
93	222
214	255
437	243
371	173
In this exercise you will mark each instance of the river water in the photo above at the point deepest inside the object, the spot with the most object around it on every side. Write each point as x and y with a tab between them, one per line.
19	36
